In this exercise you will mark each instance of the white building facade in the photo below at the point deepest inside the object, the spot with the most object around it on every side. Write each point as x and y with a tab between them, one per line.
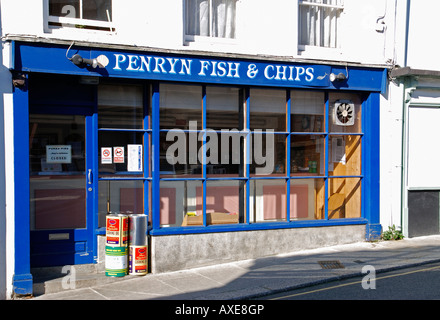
112	106
414	101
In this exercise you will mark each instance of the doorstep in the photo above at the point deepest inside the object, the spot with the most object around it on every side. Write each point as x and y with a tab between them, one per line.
58	279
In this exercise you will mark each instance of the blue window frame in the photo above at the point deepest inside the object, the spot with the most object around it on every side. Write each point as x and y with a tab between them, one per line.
127	123
244	182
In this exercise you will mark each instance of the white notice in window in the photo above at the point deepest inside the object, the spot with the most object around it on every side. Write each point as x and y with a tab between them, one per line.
58	154
134	157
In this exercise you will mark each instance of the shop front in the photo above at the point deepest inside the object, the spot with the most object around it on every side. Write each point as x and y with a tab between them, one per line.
230	158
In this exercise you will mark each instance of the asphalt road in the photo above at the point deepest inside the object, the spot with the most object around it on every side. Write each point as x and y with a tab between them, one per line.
418	283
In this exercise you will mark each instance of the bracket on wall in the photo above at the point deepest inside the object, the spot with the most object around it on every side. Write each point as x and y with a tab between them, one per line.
19	80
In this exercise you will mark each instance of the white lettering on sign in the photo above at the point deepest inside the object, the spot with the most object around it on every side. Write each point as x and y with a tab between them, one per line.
215	69
152	64
58	154
288	73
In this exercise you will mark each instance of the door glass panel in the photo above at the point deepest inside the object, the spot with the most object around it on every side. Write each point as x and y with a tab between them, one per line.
57	171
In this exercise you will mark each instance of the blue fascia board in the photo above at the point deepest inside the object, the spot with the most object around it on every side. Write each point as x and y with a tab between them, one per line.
53	58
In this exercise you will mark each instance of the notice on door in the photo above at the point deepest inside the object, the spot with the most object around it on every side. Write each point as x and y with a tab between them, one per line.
58	154
106	155
134	152
118	154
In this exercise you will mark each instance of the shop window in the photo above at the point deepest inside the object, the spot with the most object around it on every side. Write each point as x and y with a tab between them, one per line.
223	201
307	155
210	18
223	108
319	23
268	200
124	138
262	117
178	203
80	14
126	196
121	145
180	107
307	111
344	198
180	154
344	155
292	163
120	106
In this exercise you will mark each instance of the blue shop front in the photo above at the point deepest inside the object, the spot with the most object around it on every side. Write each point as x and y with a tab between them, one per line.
229	157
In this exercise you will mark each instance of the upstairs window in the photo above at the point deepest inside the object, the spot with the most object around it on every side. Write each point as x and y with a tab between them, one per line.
82	14
210	18
319	23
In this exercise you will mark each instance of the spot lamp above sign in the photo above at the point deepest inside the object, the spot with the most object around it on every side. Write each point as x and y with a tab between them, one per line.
80	61
337	77
101	61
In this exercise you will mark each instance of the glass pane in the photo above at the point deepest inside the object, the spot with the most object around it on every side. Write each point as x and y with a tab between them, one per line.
57	171
197	17
97	10
267	201
64	8
223	18
120	152
179	153
225	153
223	108
344	155
307	155
180	107
120	106
120	197
222	201
178	203
345	112
268	154
344	198
307	199
268	109
307	111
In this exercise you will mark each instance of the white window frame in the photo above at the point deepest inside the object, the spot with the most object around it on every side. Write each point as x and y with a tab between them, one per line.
188	38
333	29
72	23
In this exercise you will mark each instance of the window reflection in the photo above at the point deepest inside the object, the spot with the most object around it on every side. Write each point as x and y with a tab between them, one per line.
120	106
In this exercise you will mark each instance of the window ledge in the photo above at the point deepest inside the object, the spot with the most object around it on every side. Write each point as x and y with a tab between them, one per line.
315	52
207	41
256	226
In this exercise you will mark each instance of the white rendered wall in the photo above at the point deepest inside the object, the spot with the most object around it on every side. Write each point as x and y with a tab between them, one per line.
423	45
263	28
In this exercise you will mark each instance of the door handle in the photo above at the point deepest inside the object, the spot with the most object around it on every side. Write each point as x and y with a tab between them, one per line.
90	176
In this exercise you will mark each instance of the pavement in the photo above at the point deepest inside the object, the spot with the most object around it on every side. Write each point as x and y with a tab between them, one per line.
249	279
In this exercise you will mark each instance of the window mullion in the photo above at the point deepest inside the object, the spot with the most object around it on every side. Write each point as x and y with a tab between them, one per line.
204	154
210	19
326	158
81	9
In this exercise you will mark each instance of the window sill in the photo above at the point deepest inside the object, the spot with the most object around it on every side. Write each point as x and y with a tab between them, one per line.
200	41
256	226
315	52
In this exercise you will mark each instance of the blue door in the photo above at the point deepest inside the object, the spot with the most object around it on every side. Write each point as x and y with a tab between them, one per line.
61	187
